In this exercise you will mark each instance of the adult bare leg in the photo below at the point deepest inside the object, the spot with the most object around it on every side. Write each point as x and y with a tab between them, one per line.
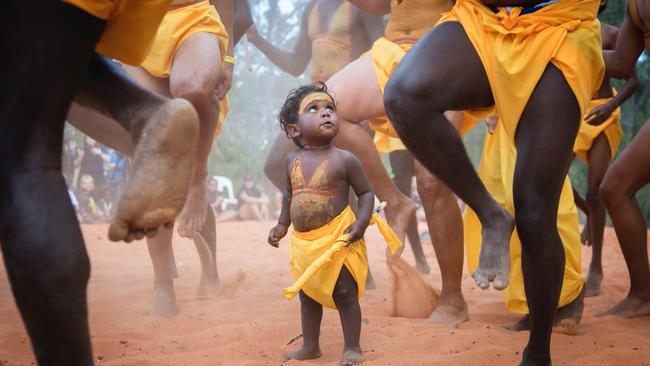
42	246
416	98
548	125
622	181
446	228
196	72
403	165
599	157
359	98
161	131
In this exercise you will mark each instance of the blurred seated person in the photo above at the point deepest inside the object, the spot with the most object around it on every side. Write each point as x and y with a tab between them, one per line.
216	198
253	204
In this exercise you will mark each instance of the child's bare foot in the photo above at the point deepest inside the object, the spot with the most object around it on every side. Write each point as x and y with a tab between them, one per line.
494	260
352	356
632	306
160	175
449	312
594	278
303	353
398	215
164	301
195	211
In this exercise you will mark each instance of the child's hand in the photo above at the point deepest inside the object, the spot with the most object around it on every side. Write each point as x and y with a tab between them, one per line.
356	231
277	233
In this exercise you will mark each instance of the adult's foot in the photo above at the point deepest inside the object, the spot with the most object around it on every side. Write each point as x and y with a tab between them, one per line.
531	359
594	278
160	176
422	266
352	356
451	312
494	260
195	211
304	353
585	235
370	281
164	301
398	215
567	318
632	306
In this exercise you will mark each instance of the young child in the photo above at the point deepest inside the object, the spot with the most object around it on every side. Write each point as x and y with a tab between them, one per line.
327	253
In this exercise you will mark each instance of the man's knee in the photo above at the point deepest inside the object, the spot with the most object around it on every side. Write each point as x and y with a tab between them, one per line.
198	92
407	95
611	189
534	218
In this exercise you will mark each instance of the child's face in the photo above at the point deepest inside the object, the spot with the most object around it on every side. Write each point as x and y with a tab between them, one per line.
317	123
212	185
88	185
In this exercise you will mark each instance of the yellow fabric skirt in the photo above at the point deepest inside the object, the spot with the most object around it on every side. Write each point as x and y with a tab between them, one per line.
176	27
516	48
588	133
386	55
130	26
496	170
316	257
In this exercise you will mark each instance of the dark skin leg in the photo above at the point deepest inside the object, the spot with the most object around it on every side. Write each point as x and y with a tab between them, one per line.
403	166
599	157
443	152
311	314
410	97
346	298
43	249
581	203
625	177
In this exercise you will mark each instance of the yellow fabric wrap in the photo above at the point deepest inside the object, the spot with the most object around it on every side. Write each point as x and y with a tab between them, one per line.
130	26
588	133
386	55
176	27
317	256
516	48
496	170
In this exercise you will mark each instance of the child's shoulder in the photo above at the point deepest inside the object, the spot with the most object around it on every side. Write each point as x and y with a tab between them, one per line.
291	156
344	155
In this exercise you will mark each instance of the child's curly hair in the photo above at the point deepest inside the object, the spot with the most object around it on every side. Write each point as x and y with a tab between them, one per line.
289	111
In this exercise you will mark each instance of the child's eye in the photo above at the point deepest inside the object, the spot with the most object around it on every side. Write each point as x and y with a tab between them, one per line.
312	108
329	108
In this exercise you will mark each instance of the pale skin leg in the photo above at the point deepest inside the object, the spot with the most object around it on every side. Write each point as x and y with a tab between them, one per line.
446	229
625	177
193	78
359	98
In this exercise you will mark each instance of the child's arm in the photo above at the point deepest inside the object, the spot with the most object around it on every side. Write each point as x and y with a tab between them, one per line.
363	190
284	221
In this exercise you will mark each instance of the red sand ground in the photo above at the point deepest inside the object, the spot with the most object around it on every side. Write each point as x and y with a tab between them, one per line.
254	325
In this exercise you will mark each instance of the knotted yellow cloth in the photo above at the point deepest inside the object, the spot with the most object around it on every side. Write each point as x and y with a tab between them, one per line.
131	26
516	48
588	133
176	27
317	256
496	170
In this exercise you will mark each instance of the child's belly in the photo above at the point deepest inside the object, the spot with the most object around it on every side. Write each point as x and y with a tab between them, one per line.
311	211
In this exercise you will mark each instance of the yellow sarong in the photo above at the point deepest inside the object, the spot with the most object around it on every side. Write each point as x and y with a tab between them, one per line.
130	28
496	170
386	55
316	257
516	48
588	133
176	27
